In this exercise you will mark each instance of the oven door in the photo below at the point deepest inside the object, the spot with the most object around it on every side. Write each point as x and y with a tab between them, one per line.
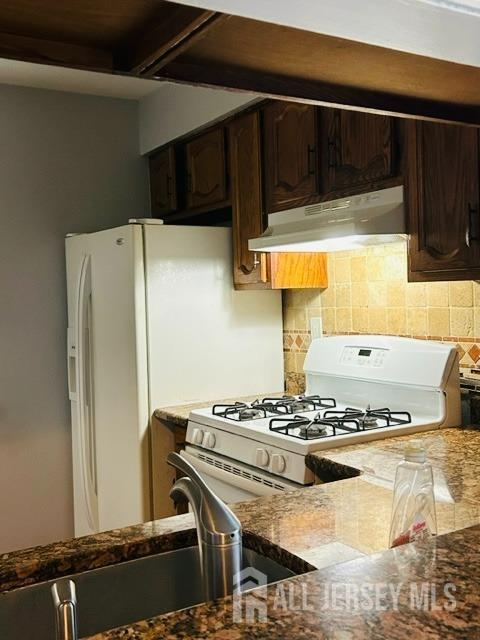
233	481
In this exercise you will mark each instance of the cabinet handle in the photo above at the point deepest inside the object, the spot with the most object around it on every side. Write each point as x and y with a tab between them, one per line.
311	160
189	182
472	232
332	153
248	270
169	183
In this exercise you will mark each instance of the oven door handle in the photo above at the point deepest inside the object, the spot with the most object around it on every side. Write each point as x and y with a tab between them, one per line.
252	486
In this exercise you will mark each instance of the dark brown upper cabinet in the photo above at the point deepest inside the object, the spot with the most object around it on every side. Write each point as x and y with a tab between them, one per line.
357	151
443	198
163	184
258	270
250	269
206	171
290	144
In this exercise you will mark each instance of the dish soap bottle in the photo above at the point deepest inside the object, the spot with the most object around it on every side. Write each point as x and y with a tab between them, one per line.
413	513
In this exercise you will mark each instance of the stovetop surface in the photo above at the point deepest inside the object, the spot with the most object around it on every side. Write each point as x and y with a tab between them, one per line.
327	420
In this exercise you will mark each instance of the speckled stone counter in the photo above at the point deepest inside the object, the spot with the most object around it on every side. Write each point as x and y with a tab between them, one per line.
379	597
335	527
454	454
178	414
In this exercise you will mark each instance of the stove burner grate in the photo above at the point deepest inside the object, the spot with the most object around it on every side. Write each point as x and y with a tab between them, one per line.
334	423
286	405
299	404
371	418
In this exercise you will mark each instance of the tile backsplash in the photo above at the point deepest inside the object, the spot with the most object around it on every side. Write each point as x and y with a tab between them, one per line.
368	292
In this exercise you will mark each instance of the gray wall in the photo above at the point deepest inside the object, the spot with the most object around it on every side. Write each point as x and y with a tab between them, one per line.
68	163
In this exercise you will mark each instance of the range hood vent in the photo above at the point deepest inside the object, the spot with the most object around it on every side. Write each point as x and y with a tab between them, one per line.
347	223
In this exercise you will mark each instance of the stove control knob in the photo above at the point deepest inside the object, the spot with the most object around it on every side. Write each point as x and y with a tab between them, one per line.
197	436
209	440
278	463
262	458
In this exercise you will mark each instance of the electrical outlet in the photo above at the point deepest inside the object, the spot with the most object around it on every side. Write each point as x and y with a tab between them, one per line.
316	327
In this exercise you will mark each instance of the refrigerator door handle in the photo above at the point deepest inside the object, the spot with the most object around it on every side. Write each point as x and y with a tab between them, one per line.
83	394
72	364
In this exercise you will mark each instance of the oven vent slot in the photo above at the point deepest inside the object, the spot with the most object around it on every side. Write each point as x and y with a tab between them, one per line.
239	472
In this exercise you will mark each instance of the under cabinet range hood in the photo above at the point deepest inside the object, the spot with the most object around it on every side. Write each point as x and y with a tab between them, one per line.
347	223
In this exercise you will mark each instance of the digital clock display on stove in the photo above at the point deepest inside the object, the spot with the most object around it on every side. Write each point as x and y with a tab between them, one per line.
364	352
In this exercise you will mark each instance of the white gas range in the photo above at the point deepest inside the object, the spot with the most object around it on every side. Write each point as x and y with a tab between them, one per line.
358	388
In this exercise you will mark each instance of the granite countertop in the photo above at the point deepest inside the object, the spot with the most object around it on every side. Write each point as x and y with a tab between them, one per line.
454	454
178	414
334	527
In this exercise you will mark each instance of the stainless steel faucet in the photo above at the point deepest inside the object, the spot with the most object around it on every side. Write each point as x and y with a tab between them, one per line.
65	601
218	528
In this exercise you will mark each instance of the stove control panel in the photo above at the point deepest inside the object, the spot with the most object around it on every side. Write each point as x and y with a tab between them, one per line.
363	356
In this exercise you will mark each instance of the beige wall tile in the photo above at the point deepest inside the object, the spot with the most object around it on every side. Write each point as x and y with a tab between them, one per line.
437	294
461	321
328	296
328	317
415	294
397	320
288	317
438	321
417	321
343	321
299	362
313	312
289	361
476	322
395	267
398	247
301	298
358	265
359	294
360	319
342	270
376	268
331	269
396	294
300	319
476	293
377	294
377	319
343	296
461	294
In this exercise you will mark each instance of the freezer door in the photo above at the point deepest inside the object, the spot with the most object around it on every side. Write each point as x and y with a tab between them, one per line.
205	340
117	382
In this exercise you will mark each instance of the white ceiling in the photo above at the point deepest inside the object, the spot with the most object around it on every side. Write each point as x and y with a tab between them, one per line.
41	76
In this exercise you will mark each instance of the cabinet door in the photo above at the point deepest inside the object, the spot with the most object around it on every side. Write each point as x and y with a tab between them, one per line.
357	150
163	189
206	170
443	201
290	155
249	268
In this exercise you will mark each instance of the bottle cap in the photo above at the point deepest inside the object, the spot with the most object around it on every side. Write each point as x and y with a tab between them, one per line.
415	451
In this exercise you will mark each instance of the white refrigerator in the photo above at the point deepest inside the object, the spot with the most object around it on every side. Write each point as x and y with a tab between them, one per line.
153	320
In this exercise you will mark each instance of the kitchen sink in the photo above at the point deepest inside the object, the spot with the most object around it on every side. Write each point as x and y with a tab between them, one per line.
119	594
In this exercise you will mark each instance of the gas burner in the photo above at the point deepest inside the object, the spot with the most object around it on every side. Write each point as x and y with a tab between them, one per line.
242	412
370	418
312	430
251	413
301	427
239	411
300	404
